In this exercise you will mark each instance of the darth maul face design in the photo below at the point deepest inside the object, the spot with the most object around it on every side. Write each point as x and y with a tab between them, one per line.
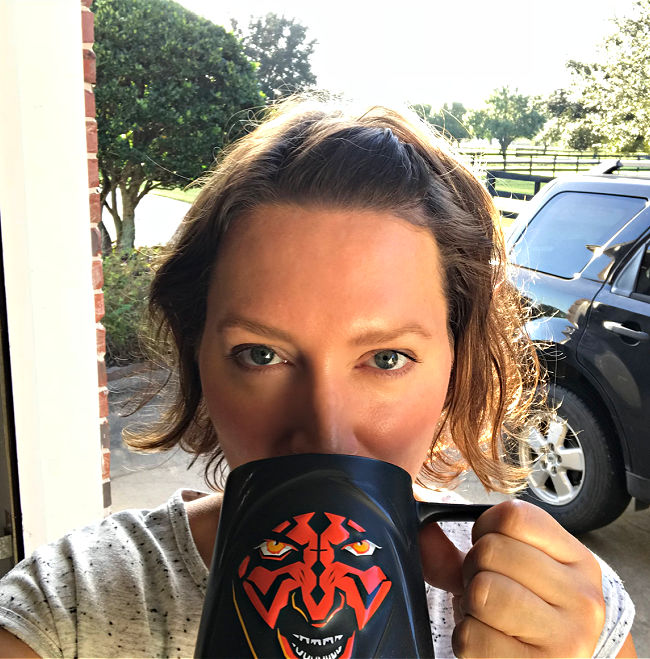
315	580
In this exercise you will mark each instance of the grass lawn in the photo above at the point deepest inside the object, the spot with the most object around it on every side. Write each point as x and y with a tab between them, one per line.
506	222
181	195
515	187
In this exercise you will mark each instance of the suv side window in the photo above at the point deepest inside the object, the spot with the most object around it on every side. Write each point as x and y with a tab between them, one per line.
642	286
561	238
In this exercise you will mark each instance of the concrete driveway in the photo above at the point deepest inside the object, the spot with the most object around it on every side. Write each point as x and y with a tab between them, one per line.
145	481
156	219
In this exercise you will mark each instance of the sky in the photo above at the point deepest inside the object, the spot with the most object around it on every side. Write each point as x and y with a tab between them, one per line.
428	51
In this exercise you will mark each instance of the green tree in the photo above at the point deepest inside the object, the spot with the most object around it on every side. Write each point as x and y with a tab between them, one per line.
568	122
280	47
170	90
582	138
561	104
448	119
507	116
615	91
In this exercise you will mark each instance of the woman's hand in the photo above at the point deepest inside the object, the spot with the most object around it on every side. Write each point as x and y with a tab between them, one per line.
526	587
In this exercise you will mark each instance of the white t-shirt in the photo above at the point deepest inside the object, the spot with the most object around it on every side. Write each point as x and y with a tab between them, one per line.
133	585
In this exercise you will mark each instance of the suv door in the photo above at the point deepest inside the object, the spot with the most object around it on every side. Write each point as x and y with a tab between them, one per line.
615	350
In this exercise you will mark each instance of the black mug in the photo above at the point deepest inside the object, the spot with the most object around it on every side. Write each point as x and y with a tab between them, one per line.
317	557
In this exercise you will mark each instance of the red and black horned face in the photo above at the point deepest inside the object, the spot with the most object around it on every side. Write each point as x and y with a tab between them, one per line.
315	581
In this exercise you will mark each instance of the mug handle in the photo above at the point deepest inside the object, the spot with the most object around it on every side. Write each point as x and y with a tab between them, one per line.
428	511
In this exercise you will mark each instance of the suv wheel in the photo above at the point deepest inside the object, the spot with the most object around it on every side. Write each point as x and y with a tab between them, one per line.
577	474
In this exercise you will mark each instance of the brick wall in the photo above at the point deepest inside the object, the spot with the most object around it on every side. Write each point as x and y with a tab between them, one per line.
87	26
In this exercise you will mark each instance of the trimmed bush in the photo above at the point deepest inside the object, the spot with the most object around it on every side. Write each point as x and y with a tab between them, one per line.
127	278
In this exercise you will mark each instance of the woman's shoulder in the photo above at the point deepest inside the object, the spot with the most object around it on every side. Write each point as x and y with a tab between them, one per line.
134	542
130	565
132	534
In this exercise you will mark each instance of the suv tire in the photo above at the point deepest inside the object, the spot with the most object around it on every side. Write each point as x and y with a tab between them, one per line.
577	472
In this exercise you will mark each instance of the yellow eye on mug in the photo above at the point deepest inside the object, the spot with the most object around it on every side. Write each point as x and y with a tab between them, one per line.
274	548
362	548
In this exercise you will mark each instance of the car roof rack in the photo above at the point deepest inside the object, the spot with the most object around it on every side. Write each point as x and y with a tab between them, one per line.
613	165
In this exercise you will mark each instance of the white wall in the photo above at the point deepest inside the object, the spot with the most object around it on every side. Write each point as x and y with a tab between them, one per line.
45	225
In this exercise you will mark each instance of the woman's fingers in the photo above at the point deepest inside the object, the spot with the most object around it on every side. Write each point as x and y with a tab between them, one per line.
528	621
526	588
527	565
473	638
532	525
529	581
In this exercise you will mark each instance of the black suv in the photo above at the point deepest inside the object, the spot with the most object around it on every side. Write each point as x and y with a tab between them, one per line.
581	259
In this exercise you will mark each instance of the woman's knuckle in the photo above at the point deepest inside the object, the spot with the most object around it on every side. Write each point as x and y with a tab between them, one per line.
590	566
579	646
461	637
485	551
478	592
570	647
516	514
594	608
588	620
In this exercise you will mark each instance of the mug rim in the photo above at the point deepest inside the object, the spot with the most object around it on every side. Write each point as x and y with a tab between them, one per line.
334	459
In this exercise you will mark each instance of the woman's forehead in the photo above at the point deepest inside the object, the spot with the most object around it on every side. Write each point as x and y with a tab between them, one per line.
328	262
271	231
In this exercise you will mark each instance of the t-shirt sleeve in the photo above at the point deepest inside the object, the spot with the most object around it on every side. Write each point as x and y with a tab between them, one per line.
35	600
121	587
619	613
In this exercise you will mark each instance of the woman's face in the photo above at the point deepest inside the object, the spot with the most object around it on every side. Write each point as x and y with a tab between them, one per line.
326	332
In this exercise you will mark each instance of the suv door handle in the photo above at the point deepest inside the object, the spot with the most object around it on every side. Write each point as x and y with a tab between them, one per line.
618	328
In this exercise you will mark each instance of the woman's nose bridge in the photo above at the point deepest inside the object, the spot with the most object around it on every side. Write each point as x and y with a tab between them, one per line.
327	397
327	414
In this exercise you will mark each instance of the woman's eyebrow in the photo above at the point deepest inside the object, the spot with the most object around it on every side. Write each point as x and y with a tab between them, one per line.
386	336
253	326
365	338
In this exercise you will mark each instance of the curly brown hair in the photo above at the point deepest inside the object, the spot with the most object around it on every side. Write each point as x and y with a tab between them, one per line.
308	152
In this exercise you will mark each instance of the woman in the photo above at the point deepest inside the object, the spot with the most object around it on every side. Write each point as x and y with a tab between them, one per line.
338	287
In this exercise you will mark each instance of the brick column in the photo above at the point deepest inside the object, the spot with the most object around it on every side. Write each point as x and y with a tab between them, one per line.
87	26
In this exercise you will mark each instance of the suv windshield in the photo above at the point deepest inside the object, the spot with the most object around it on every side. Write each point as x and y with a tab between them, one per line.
561	238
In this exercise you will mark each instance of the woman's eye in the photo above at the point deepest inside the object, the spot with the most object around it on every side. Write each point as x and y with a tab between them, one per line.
257	355
362	548
390	360
274	549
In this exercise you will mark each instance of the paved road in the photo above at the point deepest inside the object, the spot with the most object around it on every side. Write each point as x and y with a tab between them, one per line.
145	481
